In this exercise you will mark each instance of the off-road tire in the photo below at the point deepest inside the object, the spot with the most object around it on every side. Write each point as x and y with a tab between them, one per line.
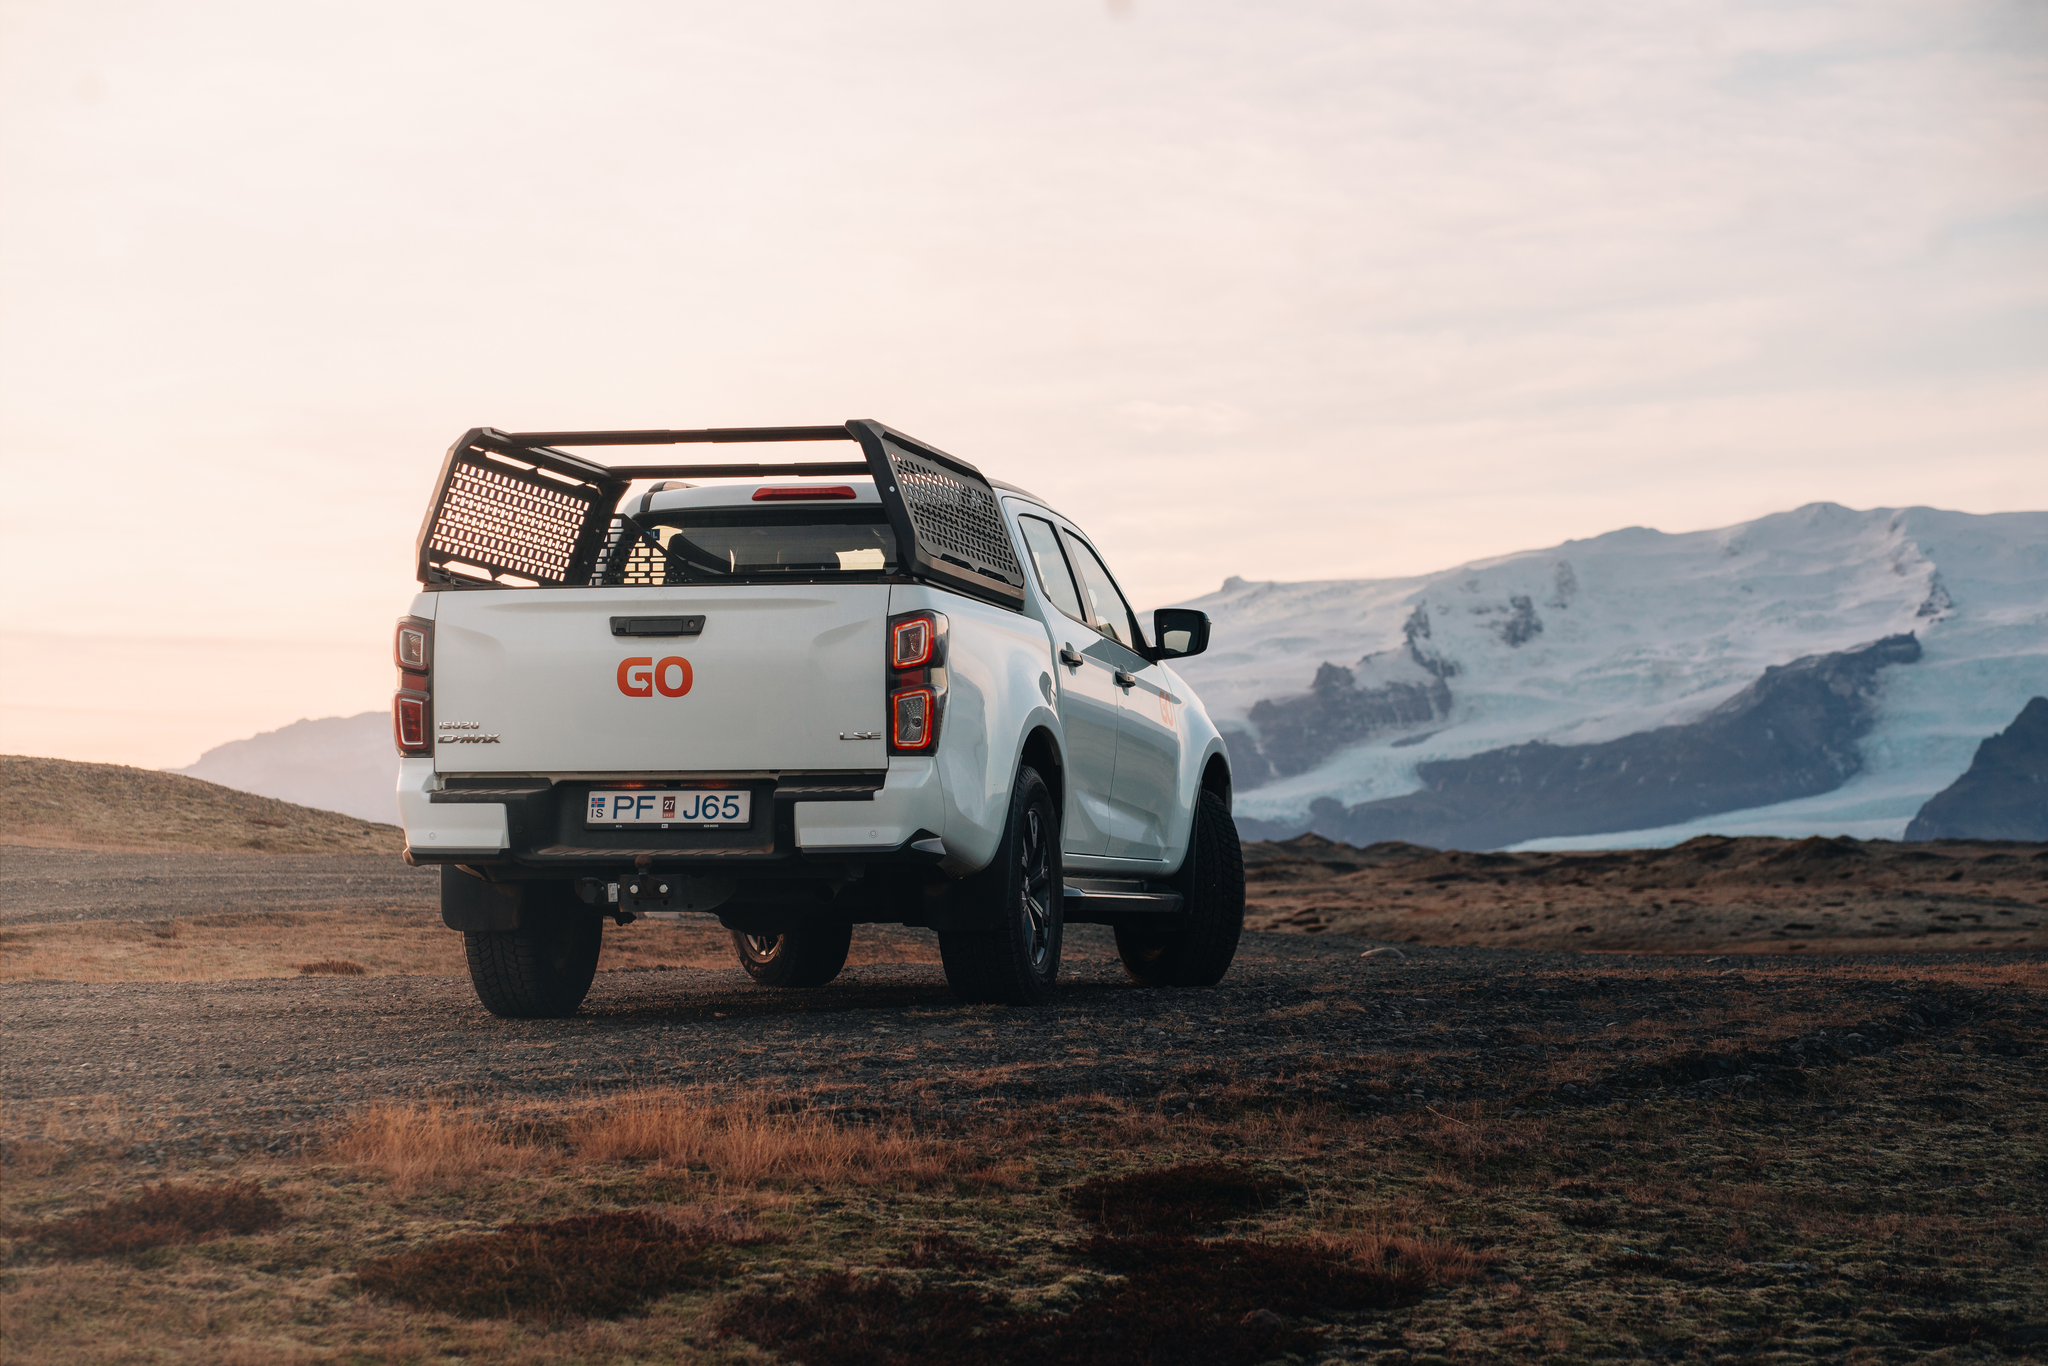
808	957
1212	880
1016	961
541	972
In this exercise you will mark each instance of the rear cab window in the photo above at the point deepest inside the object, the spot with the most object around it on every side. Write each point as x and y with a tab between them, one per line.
748	544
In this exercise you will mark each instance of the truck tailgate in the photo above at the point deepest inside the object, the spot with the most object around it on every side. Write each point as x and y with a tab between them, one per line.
777	674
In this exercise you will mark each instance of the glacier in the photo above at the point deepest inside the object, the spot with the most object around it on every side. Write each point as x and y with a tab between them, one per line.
1637	629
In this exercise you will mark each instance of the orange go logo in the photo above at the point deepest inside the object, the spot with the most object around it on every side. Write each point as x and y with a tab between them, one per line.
643	677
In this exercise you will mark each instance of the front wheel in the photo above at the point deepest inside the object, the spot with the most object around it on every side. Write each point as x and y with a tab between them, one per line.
797	958
537	973
1016	961
1212	881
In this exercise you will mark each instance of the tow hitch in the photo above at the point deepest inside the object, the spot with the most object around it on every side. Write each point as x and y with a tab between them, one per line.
645	891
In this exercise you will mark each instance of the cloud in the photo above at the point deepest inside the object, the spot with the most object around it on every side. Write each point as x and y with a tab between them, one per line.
1482	275
1182	419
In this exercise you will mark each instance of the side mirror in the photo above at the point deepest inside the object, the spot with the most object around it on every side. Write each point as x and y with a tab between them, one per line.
1178	632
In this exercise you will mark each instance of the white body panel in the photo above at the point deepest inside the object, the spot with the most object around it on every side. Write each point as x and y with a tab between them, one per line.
1090	707
775	678
998	667
778	674
1150	736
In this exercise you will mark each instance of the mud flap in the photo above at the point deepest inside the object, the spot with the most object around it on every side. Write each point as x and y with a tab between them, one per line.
474	905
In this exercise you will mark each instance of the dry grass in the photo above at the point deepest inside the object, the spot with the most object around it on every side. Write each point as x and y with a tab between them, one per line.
60	803
332	967
157	1216
1708	895
1855	1220
586	1266
738	1142
431	1145
746	1143
1178	1300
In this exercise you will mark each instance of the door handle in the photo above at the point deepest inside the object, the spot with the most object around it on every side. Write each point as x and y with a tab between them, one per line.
1069	658
1126	680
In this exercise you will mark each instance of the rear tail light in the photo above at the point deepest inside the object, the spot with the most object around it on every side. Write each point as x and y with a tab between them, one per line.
916	681
411	648
912	714
910	642
409	720
412	707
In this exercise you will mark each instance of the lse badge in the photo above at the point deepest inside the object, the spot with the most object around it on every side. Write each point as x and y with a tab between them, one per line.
642	677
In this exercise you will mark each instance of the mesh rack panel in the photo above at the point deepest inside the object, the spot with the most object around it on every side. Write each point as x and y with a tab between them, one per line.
641	566
956	518
508	520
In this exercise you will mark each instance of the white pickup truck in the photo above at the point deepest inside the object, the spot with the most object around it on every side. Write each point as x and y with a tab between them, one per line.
797	698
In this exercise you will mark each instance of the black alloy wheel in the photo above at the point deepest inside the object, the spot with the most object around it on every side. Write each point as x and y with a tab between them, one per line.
807	957
1016	959
1034	874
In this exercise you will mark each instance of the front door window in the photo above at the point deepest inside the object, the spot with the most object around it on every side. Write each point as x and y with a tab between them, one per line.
1108	613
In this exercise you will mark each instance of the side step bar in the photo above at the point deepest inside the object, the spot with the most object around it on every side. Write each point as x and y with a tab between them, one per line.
1105	901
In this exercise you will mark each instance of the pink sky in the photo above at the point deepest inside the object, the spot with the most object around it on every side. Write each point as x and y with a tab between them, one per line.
1289	291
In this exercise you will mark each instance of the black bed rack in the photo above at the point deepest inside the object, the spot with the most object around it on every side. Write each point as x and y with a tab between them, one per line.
513	509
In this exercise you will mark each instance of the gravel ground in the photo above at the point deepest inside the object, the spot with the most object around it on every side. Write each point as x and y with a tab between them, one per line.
41	886
232	1067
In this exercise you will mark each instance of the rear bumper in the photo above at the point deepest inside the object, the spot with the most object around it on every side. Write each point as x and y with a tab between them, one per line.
446	833
803	824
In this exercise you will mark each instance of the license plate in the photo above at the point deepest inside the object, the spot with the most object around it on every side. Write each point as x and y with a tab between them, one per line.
659	807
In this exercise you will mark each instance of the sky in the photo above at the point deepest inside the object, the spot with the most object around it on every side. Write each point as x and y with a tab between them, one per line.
1298	290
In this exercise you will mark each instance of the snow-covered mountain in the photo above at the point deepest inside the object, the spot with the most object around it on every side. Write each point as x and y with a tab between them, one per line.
337	763
1360	691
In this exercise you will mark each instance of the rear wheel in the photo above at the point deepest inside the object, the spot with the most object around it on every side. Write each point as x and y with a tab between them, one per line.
536	973
797	958
1017	960
1212	880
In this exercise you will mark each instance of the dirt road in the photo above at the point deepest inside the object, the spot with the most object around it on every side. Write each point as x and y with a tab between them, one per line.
41	886
220	1068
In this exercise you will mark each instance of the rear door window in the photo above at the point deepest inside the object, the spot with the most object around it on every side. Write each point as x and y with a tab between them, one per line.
1044	544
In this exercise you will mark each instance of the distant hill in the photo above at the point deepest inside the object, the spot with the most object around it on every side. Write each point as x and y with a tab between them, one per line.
65	804
337	763
2004	795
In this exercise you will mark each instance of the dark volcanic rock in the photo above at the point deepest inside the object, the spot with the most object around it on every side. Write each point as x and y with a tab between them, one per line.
1297	733
1792	733
2004	796
1406	687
